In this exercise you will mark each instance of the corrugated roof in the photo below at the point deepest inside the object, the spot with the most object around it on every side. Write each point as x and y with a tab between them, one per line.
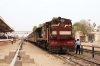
4	27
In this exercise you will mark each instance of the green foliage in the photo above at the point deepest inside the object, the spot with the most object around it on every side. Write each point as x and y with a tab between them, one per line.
34	28
76	27
98	28
54	18
40	25
83	26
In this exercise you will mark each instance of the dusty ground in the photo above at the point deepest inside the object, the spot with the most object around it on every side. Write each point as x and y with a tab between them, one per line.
4	50
41	57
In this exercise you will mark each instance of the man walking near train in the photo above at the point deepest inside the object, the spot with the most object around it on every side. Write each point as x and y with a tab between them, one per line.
78	44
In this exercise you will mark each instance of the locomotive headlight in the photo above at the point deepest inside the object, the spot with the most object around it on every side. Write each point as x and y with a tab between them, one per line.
62	20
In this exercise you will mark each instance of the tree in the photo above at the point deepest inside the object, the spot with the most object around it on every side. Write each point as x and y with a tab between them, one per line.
86	27
83	26
40	25
34	28
98	28
54	18
76	27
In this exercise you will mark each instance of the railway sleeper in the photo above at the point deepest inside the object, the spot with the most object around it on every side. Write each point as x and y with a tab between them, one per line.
91	60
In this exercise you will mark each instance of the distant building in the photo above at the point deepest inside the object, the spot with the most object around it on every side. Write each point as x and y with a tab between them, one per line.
95	36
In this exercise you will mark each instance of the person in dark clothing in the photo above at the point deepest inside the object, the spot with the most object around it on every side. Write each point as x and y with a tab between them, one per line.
78	44
12	40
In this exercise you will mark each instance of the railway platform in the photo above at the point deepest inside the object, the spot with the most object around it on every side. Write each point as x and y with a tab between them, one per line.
5	48
8	51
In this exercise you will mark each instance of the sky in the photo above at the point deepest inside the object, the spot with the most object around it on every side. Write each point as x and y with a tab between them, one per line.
22	15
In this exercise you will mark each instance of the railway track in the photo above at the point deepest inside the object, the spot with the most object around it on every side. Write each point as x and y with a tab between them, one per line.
73	61
81	60
77	60
13	63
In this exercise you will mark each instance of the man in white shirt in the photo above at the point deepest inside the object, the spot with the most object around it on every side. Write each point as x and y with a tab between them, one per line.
78	44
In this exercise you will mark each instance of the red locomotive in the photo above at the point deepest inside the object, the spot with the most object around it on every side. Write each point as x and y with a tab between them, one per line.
55	35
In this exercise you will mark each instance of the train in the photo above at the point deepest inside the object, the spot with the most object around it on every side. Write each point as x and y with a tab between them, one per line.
54	36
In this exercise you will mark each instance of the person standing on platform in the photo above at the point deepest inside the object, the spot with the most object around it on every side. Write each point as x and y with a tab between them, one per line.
12	40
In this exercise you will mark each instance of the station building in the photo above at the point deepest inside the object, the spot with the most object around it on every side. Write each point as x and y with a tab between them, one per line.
95	36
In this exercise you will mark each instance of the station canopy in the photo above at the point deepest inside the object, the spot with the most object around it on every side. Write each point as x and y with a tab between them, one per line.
4	27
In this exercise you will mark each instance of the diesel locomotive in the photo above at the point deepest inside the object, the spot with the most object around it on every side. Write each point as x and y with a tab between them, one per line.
54	35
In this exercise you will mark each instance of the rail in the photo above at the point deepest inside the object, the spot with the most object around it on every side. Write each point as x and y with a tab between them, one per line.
15	57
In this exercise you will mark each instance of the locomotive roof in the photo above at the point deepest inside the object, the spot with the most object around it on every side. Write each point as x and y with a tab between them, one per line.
4	27
61	18
48	22
35	31
66	19
39	28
